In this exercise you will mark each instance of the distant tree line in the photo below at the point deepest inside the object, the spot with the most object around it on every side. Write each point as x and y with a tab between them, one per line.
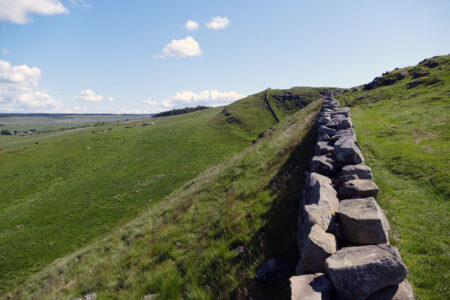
180	111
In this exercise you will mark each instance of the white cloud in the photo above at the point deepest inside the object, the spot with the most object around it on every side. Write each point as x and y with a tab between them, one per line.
5	51
111	99
181	48
218	23
89	95
80	3
191	25
17	11
189	98
17	90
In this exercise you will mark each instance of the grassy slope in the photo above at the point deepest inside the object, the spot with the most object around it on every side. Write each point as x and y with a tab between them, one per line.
75	186
60	194
404	134
183	246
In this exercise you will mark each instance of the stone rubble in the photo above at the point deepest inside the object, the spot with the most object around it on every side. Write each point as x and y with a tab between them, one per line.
342	231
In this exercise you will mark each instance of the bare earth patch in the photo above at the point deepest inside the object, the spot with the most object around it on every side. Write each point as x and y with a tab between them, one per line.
421	134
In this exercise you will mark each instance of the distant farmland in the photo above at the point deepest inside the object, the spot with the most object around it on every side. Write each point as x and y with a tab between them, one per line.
44	122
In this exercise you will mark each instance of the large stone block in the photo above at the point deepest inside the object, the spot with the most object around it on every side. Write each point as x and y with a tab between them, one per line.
322	165
323	148
402	291
317	247
324	195
357	272
358	188
326	130
361	170
310	287
313	215
363	221
324	120
344	133
346	151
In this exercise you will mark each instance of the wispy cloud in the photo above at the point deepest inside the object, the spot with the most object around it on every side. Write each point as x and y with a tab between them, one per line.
17	11
181	48
89	95
80	3
191	25
189	98
218	23
5	51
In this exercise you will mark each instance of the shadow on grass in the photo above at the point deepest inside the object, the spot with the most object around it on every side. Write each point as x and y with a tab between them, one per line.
278	238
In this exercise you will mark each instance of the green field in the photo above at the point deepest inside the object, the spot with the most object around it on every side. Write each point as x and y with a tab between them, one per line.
47	122
405	136
76	185
192	206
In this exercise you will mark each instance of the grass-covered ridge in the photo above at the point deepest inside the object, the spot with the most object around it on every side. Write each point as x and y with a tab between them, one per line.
185	246
404	132
77	185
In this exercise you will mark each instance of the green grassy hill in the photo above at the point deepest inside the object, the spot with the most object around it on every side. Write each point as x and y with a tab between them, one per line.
191	206
403	128
77	185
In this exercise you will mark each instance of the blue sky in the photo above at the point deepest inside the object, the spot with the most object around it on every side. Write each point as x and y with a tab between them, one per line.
138	56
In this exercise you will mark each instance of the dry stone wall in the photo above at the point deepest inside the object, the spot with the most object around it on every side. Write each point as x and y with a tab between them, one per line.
342	231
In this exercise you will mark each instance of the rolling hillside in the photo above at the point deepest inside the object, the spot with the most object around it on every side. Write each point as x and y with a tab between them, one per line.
402	124
196	203
75	186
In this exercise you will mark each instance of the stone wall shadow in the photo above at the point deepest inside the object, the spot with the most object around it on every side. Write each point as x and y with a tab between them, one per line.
277	239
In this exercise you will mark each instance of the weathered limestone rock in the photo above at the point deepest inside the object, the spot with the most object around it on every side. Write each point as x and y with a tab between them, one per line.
358	188
361	170
363	221
334	123
310	287
324	120
343	179
345	124
343	111
349	133
357	272
326	130
316	215
346	150
324	195
317	247
323	148
323	137
322	165
312	178
312	215
402	291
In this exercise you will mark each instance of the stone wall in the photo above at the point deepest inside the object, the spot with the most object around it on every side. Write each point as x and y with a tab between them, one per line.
342	231
266	98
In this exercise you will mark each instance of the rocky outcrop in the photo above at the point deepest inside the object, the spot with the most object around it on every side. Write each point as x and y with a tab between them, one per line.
342	231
